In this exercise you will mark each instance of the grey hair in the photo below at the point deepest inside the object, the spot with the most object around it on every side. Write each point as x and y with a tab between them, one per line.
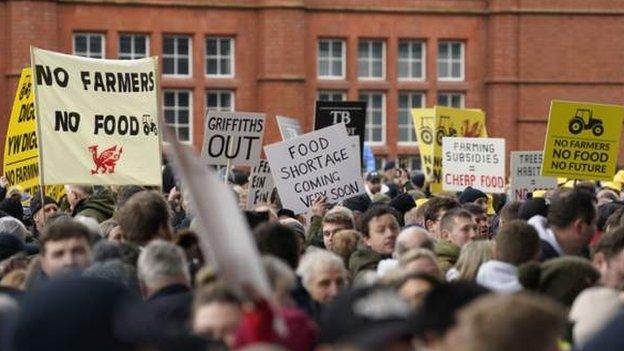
278	271
84	190
92	224
14	227
161	260
400	249
316	260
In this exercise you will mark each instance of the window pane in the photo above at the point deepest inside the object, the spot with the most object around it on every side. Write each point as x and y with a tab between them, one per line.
96	44
168	65
378	50
403	69
169	99
337	49
403	117
417	51
225	66
443	51
363	69
442	69
169	116
80	43
225	47
442	100
324	68
183	117
211	47
125	44
456	50
211	100
336	68
416	69
377	101
403	101
183	99
183	66
323	49
377	134
183	133
377	69
403	134
403	50
456	70
363	49
226	100
140	44
211	66
168	45
183	44
416	101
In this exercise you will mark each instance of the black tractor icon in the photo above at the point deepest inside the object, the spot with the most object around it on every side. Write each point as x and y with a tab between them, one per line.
577	123
445	129
149	126
426	134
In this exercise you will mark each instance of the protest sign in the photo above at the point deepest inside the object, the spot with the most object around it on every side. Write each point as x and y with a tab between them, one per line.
260	185
475	162
288	127
224	237
321	163
21	155
351	113
233	136
97	120
582	140
525	175
434	124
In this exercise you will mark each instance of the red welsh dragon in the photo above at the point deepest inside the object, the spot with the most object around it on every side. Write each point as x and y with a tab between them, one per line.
471	130
106	161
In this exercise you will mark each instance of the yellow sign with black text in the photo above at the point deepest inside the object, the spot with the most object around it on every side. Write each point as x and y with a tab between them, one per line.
21	155
582	140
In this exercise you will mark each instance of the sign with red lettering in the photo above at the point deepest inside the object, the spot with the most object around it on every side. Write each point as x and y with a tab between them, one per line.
525	175
475	162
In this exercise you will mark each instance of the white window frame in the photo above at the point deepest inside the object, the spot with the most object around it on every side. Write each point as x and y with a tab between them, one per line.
410	59
450	61
176	125
132	54
343	58
343	94
88	52
411	159
370	59
218	57
221	91
174	55
450	93
410	119
383	116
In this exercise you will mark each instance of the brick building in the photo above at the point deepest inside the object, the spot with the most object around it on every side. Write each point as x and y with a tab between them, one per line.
508	57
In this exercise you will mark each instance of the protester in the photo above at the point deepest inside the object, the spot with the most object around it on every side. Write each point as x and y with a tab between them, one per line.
434	210
41	211
516	243
408	239
85	201
65	248
217	314
111	230
475	196
471	257
456	230
608	258
420	260
145	217
323	275
334	222
480	218
380	228
345	244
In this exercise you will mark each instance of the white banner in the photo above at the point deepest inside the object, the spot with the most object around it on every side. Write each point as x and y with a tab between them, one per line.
475	162
322	163
233	136
97	119
260	185
525	174
289	127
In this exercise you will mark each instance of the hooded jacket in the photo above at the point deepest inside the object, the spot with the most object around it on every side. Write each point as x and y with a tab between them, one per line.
499	276
99	206
447	254
364	259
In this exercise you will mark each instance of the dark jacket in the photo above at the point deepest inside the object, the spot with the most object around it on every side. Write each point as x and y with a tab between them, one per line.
447	254
364	259
99	206
172	306
315	233
547	252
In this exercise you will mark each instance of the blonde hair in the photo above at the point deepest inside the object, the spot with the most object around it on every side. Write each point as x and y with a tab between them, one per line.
472	255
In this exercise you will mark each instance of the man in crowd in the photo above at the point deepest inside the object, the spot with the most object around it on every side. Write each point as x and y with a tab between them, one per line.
41	211
434	209
609	259
165	282
408	239
456	230
65	248
380	228
145	217
334	222
84	201
217	314
323	275
479	217
570	225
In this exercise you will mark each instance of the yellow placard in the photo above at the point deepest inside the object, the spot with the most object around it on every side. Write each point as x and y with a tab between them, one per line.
21	155
582	140
433	124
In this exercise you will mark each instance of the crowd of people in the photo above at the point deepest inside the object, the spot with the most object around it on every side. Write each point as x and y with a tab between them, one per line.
397	268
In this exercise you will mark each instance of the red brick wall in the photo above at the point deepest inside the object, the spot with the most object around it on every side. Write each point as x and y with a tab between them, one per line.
520	54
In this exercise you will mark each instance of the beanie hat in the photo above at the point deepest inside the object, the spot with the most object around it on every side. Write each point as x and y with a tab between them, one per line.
13	208
403	203
471	194
418	178
389	165
9	245
357	203
36	205
533	207
562	278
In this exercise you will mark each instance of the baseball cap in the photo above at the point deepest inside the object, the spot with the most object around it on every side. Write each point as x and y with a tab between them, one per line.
373	176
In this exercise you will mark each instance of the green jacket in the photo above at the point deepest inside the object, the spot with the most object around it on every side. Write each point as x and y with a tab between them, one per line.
315	233
363	259
447	254
99	206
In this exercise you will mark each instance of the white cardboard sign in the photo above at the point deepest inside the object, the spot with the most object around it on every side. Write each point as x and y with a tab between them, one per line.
525	173
289	127
321	163
260	185
475	162
233	136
